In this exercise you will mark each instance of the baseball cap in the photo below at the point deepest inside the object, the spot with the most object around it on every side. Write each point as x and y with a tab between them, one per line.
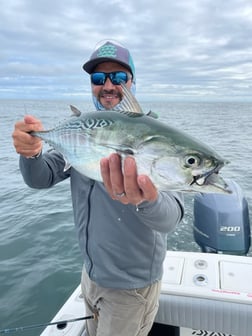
110	51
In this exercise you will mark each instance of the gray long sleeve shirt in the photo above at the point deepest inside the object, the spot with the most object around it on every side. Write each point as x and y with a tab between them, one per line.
122	246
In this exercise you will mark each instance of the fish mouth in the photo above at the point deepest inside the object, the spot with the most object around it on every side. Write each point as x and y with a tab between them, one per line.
212	178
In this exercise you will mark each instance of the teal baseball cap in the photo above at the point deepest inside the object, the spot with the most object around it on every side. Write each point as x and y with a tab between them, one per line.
110	51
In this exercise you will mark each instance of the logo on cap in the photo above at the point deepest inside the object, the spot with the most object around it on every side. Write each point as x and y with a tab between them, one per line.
108	50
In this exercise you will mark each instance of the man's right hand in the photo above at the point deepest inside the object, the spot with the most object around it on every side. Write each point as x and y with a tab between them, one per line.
24	143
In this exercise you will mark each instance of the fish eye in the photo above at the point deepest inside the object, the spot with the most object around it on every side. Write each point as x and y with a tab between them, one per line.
192	161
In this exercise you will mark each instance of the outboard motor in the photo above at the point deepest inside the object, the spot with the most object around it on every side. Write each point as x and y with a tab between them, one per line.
221	222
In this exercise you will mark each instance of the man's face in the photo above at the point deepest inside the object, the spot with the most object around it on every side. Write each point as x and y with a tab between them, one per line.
108	94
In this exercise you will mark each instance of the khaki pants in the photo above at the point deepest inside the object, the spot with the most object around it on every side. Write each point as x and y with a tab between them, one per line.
120	312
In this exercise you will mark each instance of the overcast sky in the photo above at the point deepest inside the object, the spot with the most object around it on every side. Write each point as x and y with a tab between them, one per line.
182	49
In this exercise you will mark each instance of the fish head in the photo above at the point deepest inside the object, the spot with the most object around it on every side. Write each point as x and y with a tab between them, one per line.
204	171
190	172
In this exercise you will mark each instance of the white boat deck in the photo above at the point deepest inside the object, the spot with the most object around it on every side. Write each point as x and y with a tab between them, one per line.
200	292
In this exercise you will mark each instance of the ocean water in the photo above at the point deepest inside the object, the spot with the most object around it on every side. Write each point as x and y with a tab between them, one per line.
40	262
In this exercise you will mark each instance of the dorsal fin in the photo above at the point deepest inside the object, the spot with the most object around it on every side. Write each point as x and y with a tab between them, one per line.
75	111
129	102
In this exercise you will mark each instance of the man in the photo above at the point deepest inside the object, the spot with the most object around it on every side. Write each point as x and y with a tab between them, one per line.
122	223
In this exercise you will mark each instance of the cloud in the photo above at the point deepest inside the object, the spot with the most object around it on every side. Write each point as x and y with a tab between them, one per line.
198	49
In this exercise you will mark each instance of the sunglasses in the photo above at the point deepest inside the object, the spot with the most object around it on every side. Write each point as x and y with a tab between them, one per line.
116	77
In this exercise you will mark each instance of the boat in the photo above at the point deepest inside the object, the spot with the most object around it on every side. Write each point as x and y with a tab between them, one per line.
202	293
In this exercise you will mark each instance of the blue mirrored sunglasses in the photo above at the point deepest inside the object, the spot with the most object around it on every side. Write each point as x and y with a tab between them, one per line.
116	77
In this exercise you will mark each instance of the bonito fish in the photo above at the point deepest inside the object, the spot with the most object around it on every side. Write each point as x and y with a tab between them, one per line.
171	158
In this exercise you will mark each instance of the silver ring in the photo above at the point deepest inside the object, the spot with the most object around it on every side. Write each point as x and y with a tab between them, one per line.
121	194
